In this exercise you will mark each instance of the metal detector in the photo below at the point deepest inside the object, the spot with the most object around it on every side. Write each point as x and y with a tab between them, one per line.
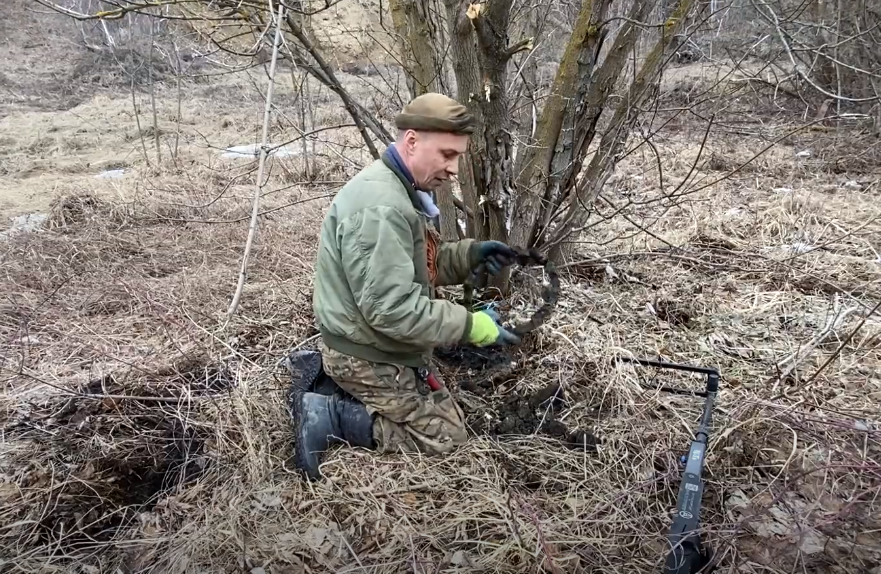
687	553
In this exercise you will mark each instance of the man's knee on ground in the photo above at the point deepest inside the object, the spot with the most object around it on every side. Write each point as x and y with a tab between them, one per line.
429	435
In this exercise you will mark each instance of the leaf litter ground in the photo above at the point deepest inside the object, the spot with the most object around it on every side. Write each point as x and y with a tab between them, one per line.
140	434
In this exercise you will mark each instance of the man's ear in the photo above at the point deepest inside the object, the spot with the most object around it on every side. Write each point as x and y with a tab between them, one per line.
410	139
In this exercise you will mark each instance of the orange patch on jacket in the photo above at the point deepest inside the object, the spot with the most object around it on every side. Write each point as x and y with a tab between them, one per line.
432	239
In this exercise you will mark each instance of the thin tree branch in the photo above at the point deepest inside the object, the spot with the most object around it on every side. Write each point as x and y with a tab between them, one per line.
261	214
772	19
837	352
521	46
329	79
252	230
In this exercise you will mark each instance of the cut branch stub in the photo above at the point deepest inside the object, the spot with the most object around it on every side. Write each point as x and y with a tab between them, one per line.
473	11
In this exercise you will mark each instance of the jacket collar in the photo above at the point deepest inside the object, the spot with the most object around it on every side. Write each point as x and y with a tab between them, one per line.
394	157
391	159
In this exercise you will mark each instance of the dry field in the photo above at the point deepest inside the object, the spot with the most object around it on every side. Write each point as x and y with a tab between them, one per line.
141	433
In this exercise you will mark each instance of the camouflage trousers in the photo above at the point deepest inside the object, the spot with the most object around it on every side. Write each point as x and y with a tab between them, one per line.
410	416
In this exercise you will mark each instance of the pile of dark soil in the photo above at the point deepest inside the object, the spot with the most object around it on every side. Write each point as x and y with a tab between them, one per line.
510	413
532	413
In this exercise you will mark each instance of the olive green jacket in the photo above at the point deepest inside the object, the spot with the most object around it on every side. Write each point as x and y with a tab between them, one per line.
373	298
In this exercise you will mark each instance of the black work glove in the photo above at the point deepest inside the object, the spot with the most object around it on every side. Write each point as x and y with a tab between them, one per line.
495	255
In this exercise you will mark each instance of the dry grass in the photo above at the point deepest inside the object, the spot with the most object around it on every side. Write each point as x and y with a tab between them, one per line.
139	434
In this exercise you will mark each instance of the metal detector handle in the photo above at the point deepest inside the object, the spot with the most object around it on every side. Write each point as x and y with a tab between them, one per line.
688	504
684	534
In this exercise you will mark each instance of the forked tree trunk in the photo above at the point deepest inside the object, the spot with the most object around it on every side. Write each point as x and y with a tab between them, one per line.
613	141
542	165
554	190
480	53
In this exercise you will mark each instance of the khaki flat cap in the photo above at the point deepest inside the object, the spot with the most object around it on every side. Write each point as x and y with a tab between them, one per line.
436	113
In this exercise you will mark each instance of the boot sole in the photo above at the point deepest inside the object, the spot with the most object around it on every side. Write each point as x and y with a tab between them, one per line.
305	368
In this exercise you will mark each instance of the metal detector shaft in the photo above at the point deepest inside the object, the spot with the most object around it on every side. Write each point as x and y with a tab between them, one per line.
687	554
675	367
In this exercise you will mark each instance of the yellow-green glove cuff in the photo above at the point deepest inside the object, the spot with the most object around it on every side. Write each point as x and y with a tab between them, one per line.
484	330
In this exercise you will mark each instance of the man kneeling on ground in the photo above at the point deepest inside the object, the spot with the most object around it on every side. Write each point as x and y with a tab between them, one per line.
379	261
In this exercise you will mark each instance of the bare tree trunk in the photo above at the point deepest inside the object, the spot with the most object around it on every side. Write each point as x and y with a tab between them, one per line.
417	43
835	52
179	69
153	94
480	51
494	169
302	99
466	69
138	123
303	102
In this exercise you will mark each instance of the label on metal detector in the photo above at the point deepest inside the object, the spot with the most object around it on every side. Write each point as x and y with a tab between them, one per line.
695	459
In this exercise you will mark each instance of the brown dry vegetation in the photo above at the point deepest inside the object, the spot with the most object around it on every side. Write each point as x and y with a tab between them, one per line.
141	434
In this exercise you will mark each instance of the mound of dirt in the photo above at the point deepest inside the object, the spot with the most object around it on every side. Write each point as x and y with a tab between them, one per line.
113	450
528	413
476	362
480	372
71	211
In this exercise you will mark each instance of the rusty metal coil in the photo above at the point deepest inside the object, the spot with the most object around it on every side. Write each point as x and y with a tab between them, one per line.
550	289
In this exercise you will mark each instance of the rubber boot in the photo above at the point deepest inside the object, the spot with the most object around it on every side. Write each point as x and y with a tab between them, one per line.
322	421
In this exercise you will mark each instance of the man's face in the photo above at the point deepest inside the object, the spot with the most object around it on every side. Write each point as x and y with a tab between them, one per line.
434	156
